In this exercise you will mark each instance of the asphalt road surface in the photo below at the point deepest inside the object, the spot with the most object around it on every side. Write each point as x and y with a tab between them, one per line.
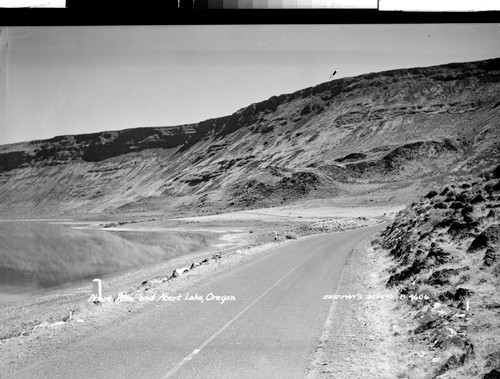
267	327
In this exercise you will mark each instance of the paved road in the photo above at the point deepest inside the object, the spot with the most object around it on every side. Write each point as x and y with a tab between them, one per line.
270	330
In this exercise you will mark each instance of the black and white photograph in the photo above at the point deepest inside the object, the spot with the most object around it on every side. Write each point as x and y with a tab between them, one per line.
242	200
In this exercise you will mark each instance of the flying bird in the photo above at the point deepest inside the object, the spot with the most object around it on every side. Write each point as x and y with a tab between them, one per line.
332	75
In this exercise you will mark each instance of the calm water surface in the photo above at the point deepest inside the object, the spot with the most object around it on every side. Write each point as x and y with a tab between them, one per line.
38	255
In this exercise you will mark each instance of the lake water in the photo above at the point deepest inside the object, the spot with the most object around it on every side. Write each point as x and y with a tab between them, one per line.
39	255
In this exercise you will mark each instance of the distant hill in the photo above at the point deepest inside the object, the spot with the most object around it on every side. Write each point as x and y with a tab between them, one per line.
384	136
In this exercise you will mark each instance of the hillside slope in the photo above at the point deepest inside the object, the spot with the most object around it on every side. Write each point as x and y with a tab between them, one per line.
374	134
445	267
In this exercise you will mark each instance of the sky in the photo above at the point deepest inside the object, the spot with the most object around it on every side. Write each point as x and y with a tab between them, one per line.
74	80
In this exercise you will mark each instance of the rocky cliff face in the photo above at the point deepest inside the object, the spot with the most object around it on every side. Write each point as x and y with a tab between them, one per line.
380	130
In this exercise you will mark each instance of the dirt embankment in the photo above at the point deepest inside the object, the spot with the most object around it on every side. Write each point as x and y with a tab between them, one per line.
357	341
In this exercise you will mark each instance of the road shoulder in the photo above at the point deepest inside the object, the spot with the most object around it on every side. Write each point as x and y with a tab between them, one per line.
357	341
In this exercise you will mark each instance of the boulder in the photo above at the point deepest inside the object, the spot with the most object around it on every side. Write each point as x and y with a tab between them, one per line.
457	205
437	254
458	229
407	273
193	265
493	374
457	359
462	294
444	223
463	197
496	172
446	335
478	199
489	186
440	205
426	319
487	238
459	294
468	219
431	194
450	197
490	256
441	277
467	210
